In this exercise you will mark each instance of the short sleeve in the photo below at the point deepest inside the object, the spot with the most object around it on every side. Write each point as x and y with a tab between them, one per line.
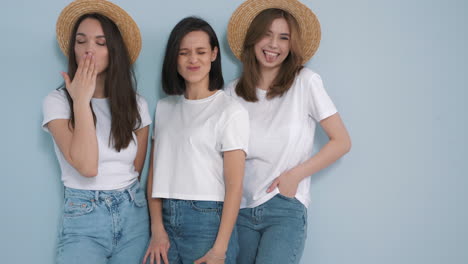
235	134
320	105
155	121
55	106
144	112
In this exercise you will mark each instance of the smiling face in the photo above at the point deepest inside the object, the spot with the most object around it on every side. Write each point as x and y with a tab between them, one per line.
90	39
195	57
273	48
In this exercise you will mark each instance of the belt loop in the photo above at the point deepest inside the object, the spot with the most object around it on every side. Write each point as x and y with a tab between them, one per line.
96	196
131	194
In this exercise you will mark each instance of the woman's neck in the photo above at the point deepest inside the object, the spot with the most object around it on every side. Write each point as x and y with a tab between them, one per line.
267	76
196	91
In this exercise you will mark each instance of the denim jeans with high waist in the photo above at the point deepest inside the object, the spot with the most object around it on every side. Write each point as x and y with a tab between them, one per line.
192	227
273	232
104	227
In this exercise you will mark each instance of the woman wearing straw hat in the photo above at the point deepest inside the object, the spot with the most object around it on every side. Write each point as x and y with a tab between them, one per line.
285	101
200	141
100	131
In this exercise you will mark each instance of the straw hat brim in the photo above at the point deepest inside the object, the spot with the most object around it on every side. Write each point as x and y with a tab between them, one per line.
127	26
241	19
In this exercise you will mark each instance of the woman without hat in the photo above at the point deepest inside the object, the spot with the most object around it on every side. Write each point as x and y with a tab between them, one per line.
200	143
285	101
99	126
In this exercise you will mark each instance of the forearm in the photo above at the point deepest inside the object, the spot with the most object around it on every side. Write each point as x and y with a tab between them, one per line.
327	155
229	215
84	147
155	208
154	204
142	139
234	162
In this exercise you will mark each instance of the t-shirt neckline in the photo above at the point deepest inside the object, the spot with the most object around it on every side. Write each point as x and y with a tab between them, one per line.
198	101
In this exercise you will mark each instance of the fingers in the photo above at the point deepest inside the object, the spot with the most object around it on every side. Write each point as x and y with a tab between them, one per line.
87	62
80	65
151	255
66	78
83	65
273	185
164	257
82	68
92	66
168	245
158	257
201	260
146	256
156	254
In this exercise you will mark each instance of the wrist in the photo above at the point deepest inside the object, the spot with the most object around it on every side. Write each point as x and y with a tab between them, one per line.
218	249
157	228
213	254
295	174
79	103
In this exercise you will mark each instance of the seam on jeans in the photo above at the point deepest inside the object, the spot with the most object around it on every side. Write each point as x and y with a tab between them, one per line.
175	247
86	197
294	256
59	252
206	210
303	236
301	239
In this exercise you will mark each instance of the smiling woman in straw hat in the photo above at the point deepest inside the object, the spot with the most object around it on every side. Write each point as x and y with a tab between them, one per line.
285	101
100	129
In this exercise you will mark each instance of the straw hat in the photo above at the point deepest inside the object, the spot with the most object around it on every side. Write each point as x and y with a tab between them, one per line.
309	25
71	13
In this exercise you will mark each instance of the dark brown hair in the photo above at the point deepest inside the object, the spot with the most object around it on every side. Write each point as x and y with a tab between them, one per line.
290	67
119	86
172	82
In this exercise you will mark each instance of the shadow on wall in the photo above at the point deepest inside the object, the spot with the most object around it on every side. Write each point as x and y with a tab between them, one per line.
46	147
52	176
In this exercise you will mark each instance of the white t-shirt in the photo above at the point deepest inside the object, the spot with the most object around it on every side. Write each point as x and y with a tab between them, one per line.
282	135
115	169
190	137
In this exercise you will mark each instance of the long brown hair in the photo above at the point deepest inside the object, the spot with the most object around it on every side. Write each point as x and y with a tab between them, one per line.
119	86
290	67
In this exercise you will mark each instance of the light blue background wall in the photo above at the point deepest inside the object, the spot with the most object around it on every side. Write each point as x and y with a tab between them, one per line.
397	70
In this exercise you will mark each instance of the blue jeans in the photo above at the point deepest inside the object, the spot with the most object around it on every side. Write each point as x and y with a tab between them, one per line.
273	232
104	226
192	227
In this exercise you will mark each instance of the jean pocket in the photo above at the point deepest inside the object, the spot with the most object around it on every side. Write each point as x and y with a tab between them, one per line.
140	198
206	206
76	206
284	197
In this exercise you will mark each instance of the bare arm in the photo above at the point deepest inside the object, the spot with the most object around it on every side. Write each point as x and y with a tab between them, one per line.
338	145
79	145
159	244
234	162
155	204
142	138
